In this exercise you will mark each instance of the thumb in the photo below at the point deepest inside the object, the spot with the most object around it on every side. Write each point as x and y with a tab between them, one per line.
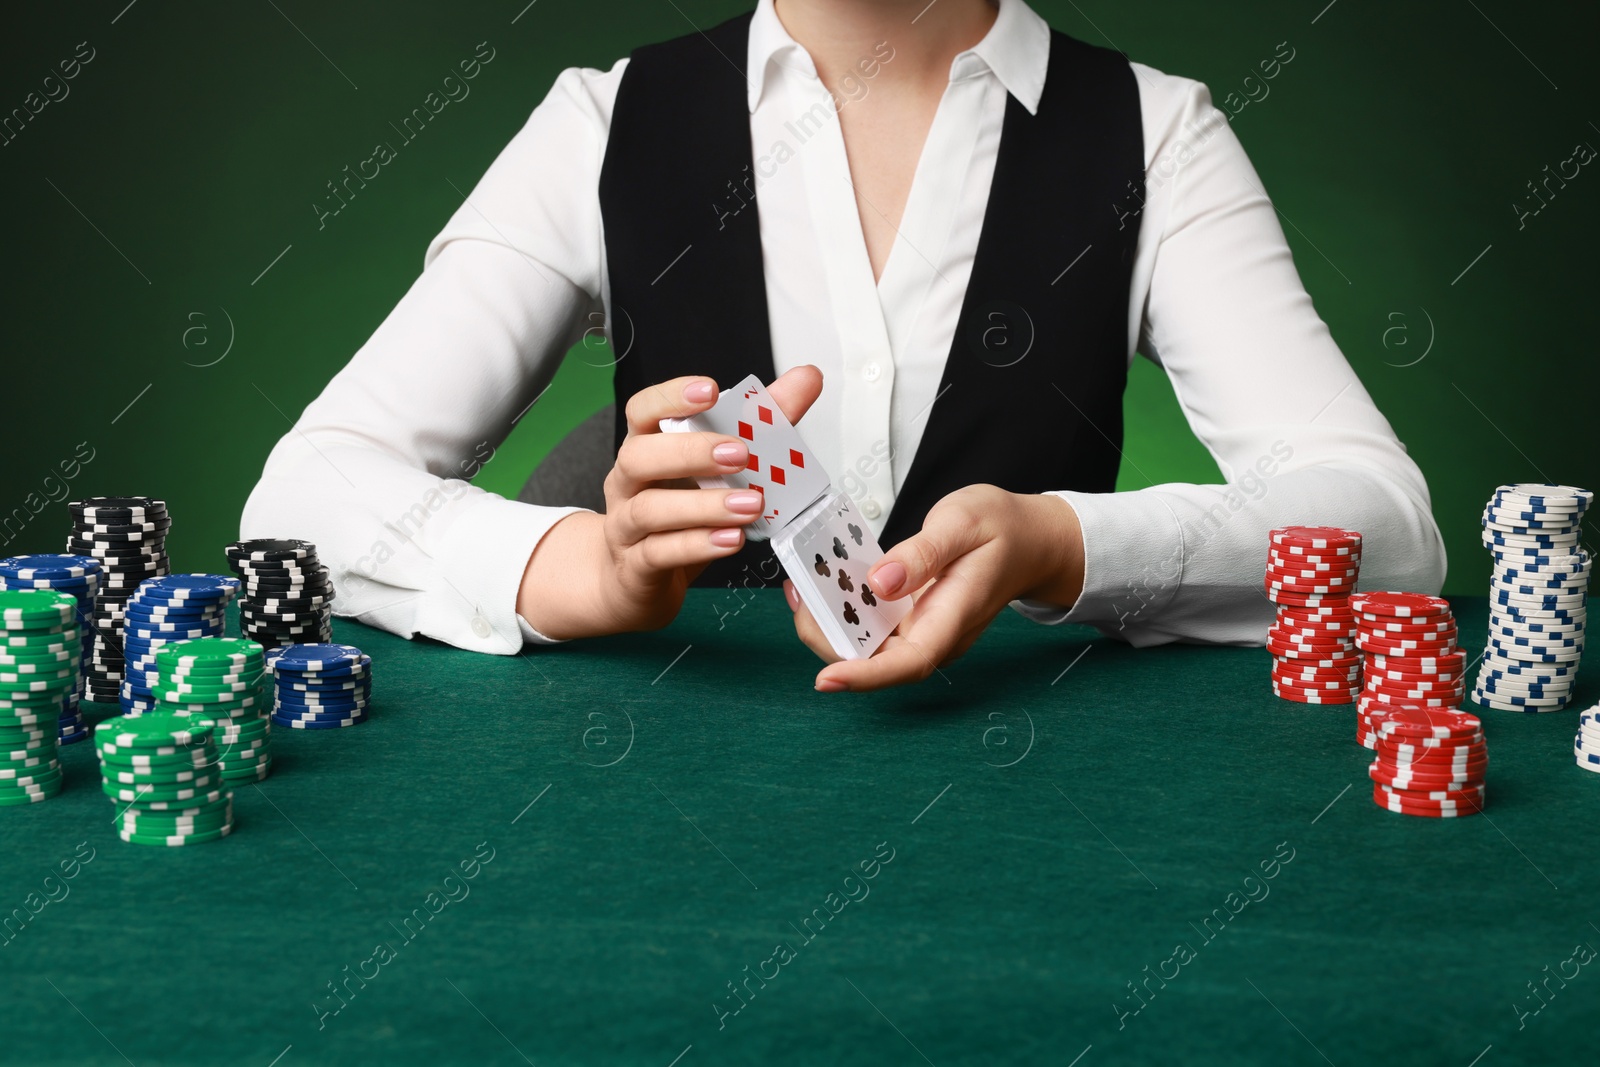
796	390
919	559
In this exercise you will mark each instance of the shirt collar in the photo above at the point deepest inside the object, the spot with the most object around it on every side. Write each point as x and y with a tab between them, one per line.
1016	50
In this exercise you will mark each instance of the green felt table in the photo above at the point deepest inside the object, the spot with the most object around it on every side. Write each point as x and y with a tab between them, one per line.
646	819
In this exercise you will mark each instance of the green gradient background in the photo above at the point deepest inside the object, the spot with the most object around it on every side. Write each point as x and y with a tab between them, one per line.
198	138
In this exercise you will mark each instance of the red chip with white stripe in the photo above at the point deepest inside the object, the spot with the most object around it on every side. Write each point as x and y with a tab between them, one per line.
1401	605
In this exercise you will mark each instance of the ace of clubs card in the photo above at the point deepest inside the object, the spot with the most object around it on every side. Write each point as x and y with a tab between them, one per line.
827	553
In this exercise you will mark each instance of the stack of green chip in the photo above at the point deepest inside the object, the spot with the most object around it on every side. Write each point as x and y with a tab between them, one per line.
40	648
224	680
160	770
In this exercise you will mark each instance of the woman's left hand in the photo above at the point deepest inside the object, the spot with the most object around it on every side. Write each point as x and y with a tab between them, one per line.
979	549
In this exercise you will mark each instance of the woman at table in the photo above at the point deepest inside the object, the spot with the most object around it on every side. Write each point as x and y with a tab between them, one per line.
944	230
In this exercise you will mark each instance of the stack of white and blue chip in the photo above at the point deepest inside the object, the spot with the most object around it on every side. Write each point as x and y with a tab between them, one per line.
320	687
1586	746
1538	599
172	608
79	576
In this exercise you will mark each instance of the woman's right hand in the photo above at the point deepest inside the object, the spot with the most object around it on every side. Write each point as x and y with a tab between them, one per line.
629	568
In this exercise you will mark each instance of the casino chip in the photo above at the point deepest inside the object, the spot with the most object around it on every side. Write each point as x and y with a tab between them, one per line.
1430	761
80	576
127	536
1311	572
42	642
1411	657
320	686
1538	597
225	681
287	594
1586	745
164	611
163	772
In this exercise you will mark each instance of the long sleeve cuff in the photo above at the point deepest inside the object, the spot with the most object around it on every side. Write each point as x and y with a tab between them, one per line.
1132	564
481	561
530	636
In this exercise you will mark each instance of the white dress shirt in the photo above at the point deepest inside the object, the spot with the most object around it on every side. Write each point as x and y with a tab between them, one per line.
374	470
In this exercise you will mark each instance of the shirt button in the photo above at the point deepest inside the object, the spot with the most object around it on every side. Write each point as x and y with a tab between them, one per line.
870	509
480	626
872	372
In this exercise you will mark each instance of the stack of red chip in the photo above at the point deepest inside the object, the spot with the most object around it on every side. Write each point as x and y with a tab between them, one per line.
1409	640
1311	572
1431	761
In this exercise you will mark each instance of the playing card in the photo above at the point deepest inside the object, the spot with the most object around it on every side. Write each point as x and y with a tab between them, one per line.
826	552
781	466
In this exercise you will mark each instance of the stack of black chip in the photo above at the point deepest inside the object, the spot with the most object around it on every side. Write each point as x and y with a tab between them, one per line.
287	594
128	535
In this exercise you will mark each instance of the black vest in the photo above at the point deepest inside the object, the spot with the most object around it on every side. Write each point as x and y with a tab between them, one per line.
1031	396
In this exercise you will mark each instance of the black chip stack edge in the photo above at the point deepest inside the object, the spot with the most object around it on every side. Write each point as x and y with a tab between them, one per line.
128	535
287	595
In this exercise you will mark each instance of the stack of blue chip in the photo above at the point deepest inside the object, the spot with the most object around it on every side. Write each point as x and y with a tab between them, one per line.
174	607
80	576
320	687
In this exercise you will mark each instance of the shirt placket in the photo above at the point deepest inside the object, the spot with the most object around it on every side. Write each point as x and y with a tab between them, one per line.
867	364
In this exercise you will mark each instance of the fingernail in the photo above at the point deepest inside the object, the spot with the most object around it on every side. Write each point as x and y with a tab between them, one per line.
731	454
791	596
828	685
888	579
727	538
699	392
745	501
